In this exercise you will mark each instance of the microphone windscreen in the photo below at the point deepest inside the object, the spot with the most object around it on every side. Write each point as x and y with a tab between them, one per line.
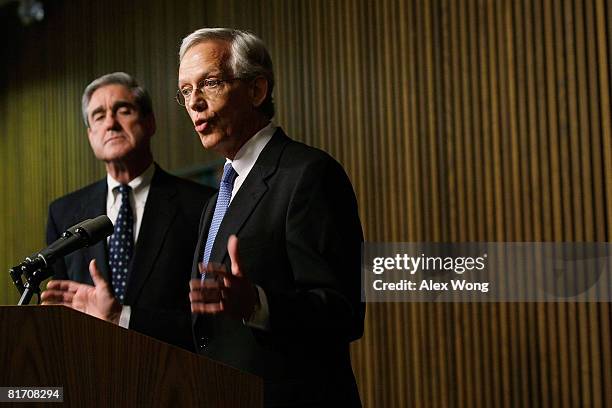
97	228
72	230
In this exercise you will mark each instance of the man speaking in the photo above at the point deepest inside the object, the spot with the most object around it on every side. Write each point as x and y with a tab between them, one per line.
279	248
141	273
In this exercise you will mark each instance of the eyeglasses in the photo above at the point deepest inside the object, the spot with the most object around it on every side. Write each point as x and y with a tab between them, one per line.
210	88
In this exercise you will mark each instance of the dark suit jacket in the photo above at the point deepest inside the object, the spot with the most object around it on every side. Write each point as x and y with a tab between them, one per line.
300	240
159	272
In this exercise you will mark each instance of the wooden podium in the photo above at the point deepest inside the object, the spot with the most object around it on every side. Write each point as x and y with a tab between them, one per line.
99	364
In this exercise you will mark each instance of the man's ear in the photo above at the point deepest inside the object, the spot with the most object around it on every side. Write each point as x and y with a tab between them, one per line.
259	91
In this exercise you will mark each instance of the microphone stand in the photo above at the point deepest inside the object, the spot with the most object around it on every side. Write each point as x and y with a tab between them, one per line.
36	268
32	283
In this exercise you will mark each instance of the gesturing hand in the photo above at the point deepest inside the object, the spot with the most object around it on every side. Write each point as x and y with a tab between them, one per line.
231	293
97	300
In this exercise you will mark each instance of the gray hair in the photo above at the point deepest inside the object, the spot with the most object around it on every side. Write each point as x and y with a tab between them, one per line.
248	57
141	96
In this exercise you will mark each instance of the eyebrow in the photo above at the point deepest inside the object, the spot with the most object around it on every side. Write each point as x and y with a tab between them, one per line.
116	106
99	109
123	104
212	73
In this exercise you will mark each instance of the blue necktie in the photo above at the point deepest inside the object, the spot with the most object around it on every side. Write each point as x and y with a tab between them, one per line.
121	244
223	201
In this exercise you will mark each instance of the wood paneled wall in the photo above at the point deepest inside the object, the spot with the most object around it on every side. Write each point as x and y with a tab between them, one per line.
456	121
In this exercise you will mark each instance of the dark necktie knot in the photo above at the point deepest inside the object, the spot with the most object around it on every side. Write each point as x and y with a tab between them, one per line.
124	189
229	174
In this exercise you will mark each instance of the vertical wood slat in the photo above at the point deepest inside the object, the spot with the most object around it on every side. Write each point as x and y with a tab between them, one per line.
463	121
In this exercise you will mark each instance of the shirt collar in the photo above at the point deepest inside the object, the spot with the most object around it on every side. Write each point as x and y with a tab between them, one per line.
136	184
249	152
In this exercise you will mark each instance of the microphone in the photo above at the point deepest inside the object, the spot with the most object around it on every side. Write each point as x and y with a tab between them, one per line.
32	262
81	235
35	267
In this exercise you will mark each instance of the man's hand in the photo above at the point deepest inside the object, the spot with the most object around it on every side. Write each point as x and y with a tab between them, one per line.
228	293
97	300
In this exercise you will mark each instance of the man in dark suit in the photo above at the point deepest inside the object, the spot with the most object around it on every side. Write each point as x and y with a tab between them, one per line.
142	272
276	275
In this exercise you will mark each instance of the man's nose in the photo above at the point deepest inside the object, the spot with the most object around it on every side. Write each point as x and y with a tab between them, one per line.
197	101
111	122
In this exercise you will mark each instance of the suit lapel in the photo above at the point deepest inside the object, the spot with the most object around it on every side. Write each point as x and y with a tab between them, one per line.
158	215
93	206
249	195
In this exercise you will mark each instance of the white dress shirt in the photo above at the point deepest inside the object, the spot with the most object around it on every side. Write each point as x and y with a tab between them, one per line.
138	197
247	155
